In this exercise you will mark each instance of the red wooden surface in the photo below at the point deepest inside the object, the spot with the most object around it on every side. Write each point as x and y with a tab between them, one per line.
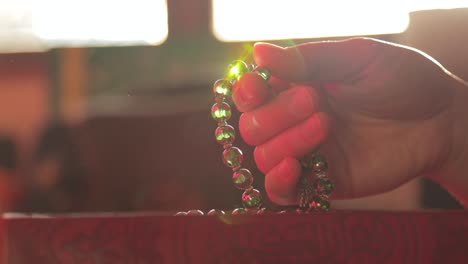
336	237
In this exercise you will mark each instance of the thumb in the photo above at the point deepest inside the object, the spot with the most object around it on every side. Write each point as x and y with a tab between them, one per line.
341	61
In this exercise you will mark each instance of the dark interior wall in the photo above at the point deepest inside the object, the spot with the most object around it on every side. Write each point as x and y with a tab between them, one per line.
24	99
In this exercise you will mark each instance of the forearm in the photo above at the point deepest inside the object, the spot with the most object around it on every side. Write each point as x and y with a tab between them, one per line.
454	174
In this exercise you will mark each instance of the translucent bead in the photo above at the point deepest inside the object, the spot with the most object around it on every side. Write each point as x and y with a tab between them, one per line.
263	72
319	203
321	175
180	213
316	162
252	198
263	211
251	211
221	111
225	134
239	211
222	88
320	166
323	186
300	211
242	179
232	157
195	212
215	212
305	193
288	211
235	70
306	161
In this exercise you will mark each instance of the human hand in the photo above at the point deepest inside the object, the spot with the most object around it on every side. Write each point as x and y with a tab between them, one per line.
381	113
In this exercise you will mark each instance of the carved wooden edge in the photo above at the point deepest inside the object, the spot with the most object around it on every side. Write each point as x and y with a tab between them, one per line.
335	237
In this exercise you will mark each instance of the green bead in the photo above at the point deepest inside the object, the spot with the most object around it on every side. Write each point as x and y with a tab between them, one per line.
316	162
195	212
252	199
263	211
300	211
242	179
320	166
232	157
323	186
225	134
235	70
263	72
320	203
221	111
239	211
216	212
305	197
306	161
222	88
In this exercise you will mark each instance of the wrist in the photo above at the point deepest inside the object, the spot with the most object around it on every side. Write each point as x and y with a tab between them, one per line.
453	175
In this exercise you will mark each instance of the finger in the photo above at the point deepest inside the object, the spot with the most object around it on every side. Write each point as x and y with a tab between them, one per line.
277	85
326	61
281	182
249	92
294	142
285	110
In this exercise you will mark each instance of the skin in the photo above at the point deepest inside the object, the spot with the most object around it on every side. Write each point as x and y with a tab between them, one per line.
382	114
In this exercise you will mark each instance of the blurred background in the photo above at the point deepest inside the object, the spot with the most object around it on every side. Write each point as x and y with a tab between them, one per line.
104	105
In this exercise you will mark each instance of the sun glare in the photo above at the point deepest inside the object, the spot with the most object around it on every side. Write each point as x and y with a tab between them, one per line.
100	22
252	20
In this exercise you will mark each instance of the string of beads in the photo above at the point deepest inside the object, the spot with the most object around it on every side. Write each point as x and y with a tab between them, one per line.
314	188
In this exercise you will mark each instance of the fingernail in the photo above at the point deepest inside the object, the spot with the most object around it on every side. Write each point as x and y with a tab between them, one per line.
242	98
245	95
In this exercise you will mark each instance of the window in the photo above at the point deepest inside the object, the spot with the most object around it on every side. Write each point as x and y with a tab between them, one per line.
38	25
251	20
